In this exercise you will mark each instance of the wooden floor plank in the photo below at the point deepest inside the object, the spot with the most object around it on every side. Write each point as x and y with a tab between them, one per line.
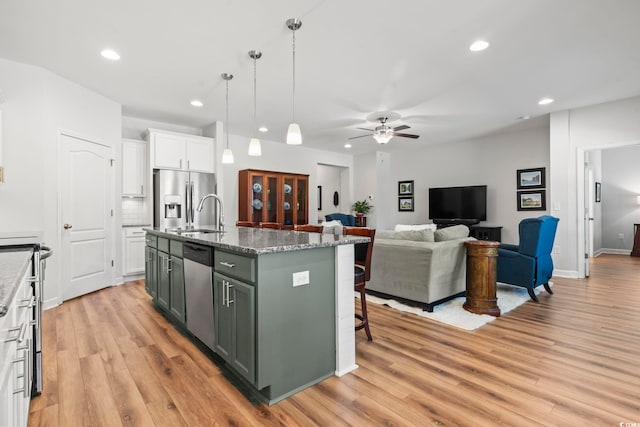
111	358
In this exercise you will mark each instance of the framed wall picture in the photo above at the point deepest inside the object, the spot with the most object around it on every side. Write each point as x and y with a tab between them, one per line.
535	200
405	204
530	178
405	188
598	192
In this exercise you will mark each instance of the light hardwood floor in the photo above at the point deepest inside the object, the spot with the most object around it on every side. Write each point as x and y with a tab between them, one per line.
573	359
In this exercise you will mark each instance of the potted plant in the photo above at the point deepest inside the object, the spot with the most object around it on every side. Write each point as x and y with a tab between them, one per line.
361	207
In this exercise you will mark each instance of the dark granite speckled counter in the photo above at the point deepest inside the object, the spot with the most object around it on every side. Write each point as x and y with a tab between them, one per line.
260	240
12	266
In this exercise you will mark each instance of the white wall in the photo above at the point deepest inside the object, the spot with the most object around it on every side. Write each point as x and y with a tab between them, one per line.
23	106
607	125
491	160
38	105
620	189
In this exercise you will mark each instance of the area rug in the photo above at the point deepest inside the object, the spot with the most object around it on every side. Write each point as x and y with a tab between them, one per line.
452	313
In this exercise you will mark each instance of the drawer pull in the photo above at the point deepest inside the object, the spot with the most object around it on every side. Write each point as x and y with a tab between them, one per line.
227	264
20	335
28	303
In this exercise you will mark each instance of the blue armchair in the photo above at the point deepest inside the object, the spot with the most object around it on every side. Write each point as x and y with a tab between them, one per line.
529	264
346	219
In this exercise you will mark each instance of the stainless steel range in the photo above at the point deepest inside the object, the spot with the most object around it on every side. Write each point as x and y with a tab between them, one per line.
38	266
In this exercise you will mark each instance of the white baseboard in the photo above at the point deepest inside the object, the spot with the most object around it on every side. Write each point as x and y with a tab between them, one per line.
569	274
615	251
51	303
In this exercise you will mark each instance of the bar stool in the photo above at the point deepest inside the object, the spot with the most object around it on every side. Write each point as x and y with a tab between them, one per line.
274	225
246	224
308	227
362	272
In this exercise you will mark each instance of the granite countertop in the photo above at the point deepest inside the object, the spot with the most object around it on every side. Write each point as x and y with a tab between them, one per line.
260	240
12	266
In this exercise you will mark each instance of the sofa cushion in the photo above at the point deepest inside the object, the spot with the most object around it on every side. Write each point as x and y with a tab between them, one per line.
415	235
332	227
403	227
451	233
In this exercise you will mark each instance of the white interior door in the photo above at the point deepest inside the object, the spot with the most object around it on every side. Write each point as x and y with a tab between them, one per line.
588	216
86	209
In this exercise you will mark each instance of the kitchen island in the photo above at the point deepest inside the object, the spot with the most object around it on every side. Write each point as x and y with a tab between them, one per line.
282	301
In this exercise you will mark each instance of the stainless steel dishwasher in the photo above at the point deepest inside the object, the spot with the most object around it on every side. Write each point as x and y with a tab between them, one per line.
198	289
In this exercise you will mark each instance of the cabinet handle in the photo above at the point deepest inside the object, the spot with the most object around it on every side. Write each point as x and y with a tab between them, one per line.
229	300
26	374
169	269
32	279
28	303
227	264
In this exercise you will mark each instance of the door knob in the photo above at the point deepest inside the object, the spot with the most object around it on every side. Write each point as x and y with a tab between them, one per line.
67	226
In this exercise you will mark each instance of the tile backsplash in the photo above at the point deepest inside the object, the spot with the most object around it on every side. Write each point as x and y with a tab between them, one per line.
135	212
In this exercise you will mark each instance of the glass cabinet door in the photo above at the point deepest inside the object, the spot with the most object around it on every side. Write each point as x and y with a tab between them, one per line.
271	198
288	200
258	200
302	204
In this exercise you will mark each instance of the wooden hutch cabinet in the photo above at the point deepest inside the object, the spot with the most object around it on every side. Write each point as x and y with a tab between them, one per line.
267	196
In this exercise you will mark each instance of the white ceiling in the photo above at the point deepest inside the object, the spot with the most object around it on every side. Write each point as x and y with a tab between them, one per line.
409	58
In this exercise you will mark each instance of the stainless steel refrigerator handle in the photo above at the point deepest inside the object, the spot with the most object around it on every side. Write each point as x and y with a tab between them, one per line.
191	202
187	206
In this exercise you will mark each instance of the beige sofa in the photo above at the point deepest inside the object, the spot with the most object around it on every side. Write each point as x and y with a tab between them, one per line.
423	266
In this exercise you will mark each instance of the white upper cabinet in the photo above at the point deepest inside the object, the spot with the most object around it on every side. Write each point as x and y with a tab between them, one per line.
134	168
171	150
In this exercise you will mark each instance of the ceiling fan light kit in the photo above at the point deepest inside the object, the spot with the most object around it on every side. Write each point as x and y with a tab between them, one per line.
383	133
227	154
255	148
294	136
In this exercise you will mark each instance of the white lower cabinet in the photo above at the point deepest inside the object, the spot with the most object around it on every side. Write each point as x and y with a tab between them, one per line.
16	361
134	243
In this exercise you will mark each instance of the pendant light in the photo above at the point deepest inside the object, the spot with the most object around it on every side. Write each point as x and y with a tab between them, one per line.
294	136
227	154
254	145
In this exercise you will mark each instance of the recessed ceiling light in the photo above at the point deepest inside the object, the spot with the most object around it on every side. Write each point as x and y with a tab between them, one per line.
478	45
110	54
263	129
347	145
524	117
197	103
545	101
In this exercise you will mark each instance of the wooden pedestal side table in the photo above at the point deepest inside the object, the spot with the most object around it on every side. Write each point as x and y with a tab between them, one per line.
636	240
482	266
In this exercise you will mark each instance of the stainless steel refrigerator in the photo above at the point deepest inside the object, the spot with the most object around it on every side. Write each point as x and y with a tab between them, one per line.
176	195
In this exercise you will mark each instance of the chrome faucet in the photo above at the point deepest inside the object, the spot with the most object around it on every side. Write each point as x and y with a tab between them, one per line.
220	216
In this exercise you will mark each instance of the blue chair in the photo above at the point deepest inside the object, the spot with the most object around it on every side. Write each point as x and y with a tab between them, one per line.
529	264
346	219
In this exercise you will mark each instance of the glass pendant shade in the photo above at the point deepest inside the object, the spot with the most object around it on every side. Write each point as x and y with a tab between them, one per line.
227	156
294	136
383	138
255	149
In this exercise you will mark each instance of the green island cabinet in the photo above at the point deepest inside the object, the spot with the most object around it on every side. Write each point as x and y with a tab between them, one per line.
165	271
275	337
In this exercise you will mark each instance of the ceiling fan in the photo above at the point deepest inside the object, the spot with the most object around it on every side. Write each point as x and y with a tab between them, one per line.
383	133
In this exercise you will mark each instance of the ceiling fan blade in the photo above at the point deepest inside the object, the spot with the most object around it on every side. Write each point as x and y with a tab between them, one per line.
401	127
406	135
361	136
370	130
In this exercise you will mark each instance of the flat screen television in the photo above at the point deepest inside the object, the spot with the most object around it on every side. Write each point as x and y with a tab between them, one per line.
458	205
